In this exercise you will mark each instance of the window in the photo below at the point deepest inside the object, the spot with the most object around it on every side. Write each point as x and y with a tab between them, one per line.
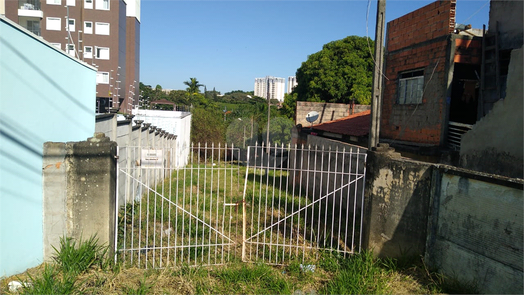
102	4
102	77
88	27
411	87
102	52
70	49
88	52
101	28
88	4
57	45
53	23
70	2
71	25
34	26
54	2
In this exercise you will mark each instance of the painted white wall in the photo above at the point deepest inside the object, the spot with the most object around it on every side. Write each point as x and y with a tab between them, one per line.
45	95
174	122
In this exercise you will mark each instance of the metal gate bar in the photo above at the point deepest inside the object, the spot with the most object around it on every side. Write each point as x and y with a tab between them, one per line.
302	200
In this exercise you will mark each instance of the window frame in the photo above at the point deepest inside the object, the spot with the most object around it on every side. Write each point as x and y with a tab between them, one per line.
57	45
58	27
410	87
88	54
86	31
70	3
88	5
99	25
70	52
72	27
97	52
103	79
53	2
103	4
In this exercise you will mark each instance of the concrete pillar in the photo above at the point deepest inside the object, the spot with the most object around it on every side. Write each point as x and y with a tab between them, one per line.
79	191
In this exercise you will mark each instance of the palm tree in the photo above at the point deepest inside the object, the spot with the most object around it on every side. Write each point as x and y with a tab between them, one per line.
193	86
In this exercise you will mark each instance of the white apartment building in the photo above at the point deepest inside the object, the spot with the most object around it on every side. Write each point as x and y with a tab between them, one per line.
291	83
272	87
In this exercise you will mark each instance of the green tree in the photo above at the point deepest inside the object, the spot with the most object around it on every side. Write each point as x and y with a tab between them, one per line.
207	126
279	131
289	105
340	72
193	86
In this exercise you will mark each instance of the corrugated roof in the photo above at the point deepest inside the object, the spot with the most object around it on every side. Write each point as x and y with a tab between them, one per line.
353	125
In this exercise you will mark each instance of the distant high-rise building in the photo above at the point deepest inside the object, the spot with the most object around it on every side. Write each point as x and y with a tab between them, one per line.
272	86
103	33
291	83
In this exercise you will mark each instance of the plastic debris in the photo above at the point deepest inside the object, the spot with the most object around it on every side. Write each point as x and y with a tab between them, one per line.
307	267
14	286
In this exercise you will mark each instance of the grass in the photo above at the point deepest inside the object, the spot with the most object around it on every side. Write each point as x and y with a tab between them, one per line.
333	274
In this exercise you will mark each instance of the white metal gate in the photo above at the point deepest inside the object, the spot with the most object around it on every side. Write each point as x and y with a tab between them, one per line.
299	200
294	201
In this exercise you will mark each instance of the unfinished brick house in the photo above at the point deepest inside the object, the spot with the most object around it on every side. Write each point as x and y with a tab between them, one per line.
432	79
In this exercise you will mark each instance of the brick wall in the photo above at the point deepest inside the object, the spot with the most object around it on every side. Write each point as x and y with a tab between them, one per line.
327	111
418	40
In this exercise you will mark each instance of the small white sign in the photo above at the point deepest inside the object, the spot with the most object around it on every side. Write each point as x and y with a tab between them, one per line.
152	159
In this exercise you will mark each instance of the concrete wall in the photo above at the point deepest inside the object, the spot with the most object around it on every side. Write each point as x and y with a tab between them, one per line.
398	193
174	122
495	144
476	231
419	40
45	96
328	111
79	191
509	15
469	225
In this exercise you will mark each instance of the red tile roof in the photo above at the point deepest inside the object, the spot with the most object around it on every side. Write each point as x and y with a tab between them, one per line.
353	125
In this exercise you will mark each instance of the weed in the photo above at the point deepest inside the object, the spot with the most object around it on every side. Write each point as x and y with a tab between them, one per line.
142	288
50	282
75	259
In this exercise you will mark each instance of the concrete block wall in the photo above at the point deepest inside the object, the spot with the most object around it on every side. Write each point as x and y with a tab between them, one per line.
328	111
467	224
419	40
79	191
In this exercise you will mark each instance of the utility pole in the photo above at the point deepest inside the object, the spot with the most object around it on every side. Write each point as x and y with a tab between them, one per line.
376	96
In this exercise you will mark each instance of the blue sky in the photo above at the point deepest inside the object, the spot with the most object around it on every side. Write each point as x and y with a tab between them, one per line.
227	44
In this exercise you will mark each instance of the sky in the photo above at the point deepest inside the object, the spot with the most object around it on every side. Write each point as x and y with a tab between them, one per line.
227	44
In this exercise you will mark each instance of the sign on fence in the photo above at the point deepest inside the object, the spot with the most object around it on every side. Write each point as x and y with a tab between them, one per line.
152	159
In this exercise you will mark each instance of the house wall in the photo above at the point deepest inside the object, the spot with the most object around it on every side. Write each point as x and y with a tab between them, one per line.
46	96
508	14
419	40
328	111
495	144
469	225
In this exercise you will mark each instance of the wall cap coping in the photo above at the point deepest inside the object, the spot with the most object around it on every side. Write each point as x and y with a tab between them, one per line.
517	183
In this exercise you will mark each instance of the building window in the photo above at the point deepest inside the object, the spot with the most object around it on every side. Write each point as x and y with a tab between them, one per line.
57	45
71	25
70	49
102	4
411	87
102	77
88	27
54	2
34	26
88	4
53	23
88	52
102	28
70	2
102	52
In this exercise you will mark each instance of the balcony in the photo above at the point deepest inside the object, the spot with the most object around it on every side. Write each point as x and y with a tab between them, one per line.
30	8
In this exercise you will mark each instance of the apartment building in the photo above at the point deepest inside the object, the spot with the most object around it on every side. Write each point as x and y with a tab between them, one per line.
102	33
272	87
291	83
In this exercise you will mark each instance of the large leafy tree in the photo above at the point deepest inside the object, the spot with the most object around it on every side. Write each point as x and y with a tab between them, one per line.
341	72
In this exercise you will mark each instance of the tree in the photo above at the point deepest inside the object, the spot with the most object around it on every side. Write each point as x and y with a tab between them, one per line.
193	86
340	72
289	105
